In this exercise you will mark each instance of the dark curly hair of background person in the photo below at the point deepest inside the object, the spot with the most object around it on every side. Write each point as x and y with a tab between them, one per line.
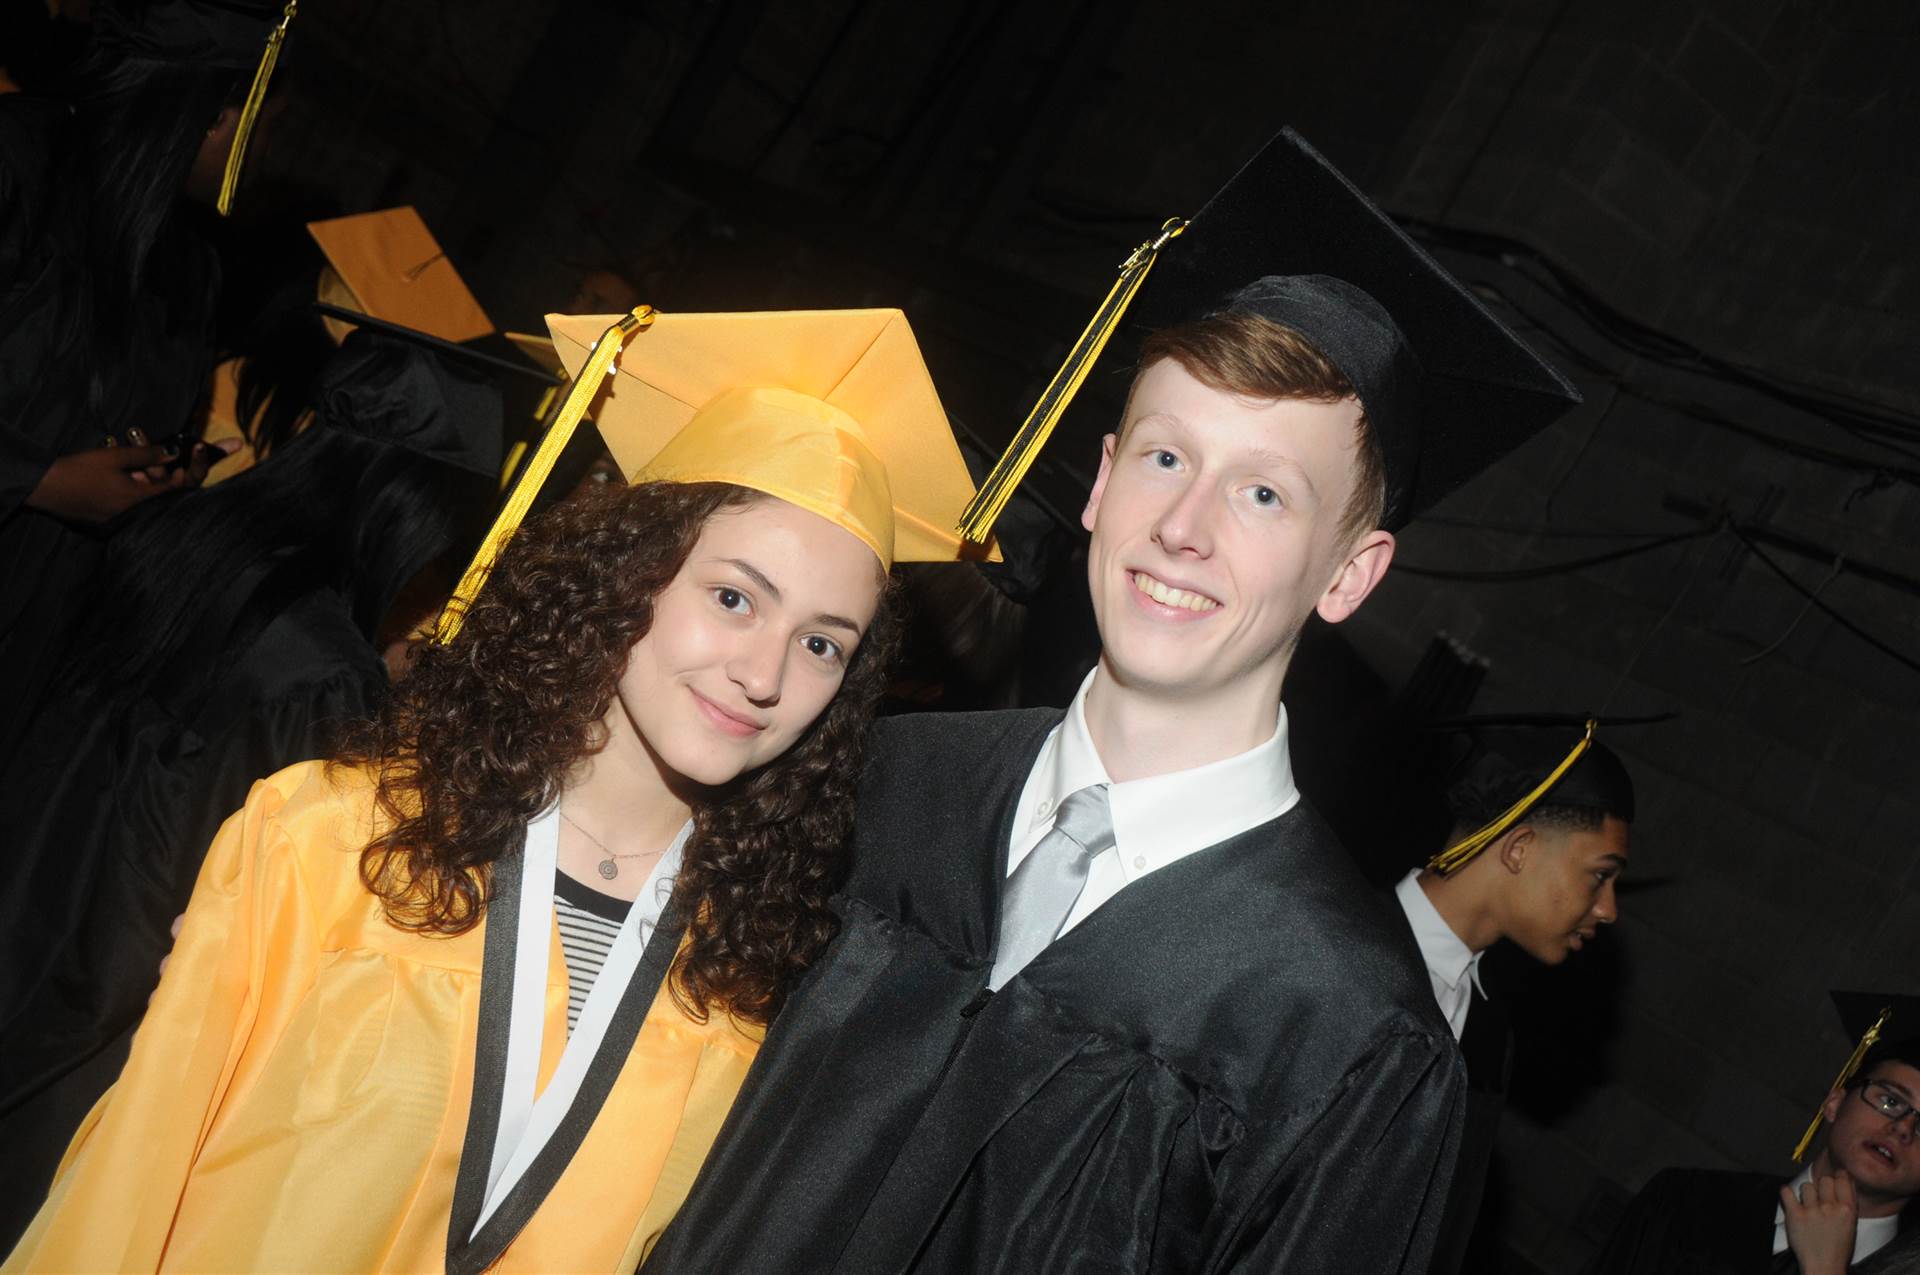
481	734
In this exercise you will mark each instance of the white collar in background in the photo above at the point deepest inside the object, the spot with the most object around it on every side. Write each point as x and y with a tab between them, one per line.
1448	958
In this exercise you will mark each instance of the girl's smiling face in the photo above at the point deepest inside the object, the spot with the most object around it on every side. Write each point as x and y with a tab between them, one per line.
750	641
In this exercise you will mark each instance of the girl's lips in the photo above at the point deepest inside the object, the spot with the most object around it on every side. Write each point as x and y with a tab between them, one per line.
729	723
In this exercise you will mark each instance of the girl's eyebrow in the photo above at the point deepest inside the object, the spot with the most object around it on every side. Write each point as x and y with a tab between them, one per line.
759	577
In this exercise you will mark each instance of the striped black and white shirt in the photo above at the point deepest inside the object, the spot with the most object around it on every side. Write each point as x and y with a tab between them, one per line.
589	922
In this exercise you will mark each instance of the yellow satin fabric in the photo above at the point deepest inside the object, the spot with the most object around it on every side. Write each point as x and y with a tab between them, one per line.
802	449
296	1099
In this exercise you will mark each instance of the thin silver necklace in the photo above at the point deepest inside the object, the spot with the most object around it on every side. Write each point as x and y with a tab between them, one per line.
610	867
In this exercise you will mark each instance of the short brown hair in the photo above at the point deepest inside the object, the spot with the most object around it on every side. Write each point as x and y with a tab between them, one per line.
1256	357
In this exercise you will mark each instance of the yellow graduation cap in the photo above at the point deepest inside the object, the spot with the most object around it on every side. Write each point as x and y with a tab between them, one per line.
394	269
540	350
830	410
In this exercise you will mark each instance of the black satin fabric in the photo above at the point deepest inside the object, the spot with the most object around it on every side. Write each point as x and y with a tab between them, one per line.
1234	1064
47	565
1486	1047
105	816
1695	1222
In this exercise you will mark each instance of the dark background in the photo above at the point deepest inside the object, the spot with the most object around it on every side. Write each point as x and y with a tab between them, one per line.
1703	211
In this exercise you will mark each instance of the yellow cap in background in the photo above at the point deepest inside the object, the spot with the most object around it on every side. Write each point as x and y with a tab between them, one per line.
394	269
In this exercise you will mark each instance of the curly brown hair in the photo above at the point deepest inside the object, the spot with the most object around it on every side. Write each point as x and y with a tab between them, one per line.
482	733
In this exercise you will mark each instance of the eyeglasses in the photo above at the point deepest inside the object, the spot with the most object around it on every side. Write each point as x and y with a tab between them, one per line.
1886	1100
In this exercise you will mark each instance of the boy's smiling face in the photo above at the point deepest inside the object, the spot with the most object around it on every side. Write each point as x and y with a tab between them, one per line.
1216	532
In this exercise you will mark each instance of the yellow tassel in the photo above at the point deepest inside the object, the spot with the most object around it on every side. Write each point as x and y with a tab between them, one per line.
1461	852
250	111
585	386
1867	1042
976	521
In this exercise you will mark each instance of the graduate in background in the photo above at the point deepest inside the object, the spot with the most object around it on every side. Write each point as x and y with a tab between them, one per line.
1106	993
385	265
1836	1213
106	300
238	631
420	1014
1540	835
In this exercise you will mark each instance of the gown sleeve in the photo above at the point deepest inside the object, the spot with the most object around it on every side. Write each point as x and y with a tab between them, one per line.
248	945
1364	1189
1640	1239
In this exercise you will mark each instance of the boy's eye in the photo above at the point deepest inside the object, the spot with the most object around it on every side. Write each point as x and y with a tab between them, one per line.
1265	496
1165	459
732	600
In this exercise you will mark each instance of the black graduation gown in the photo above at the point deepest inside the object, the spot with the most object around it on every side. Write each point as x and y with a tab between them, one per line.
1233	1065
104	819
47	565
1486	1046
1697	1222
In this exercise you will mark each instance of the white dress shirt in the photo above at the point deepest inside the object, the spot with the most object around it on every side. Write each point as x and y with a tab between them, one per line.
1158	820
1870	1234
1453	967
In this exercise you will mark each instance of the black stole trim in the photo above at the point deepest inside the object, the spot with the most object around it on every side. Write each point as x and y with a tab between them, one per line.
466	1257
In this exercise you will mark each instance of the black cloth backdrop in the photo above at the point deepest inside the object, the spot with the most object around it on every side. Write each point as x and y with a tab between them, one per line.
1697	1222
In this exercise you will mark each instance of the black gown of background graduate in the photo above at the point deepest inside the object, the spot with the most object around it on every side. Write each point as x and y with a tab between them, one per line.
1696	1222
1234	1064
115	795
57	396
1486	1047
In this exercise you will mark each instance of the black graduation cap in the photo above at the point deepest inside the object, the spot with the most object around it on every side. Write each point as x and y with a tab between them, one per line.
499	357
399	392
224	34
1448	387
229	35
1513	765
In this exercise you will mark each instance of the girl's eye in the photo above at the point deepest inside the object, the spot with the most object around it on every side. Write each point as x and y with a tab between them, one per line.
825	648
732	600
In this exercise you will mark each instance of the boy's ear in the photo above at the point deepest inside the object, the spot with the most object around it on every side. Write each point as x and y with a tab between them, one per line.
1831	1107
1365	566
1092	512
1515	847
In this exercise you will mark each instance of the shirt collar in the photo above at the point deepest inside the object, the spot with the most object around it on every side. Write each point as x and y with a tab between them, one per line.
1162	818
1446	955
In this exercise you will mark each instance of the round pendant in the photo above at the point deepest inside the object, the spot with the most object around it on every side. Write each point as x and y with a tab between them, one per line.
609	869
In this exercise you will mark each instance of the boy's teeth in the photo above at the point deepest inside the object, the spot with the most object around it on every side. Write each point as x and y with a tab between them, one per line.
1167	596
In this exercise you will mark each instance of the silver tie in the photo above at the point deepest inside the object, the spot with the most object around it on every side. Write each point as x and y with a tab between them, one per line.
1041	892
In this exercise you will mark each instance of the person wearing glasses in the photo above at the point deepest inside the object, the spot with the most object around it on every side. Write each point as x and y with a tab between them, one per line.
1836	1214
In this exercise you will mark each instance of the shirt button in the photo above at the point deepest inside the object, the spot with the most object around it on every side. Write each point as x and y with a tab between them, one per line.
1140	861
1046	807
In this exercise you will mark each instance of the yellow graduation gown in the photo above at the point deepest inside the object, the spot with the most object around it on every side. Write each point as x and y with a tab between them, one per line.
297	1096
